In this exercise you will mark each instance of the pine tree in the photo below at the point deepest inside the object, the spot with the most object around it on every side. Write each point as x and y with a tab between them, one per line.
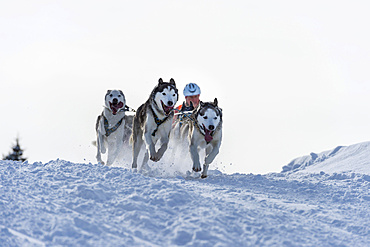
17	153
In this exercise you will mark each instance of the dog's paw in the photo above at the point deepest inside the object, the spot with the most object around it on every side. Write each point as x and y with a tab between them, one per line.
154	158
203	176
196	169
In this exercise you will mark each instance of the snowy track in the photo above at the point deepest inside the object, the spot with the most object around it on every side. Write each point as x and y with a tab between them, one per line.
62	203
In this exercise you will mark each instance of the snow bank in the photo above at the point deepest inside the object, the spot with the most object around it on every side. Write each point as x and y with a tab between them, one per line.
66	204
352	159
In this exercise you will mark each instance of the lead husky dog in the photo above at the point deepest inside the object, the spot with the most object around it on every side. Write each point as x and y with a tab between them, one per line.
110	126
204	132
153	121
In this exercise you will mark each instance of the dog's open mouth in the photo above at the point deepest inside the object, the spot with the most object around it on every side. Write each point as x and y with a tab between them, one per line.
167	109
115	107
207	134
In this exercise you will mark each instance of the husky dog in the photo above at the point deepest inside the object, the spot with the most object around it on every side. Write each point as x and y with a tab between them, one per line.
110	126
204	132
153	121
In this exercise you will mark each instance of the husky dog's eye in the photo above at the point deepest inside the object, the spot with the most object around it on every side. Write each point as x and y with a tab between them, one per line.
215	118
174	95
164	93
205	117
111	95
119	95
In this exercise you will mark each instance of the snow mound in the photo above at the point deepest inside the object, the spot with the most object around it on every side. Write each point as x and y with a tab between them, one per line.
350	159
61	203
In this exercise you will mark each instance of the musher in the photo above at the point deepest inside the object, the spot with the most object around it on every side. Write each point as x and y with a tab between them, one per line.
192	94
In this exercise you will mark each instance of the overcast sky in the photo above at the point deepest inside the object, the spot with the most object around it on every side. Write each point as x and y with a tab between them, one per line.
292	77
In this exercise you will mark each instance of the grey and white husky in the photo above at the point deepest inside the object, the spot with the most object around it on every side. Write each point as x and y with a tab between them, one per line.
204	130
153	121
110	126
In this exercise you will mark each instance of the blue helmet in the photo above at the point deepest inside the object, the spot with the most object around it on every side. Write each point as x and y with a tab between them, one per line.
191	89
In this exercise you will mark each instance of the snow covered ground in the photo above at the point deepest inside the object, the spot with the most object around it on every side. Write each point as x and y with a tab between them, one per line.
318	200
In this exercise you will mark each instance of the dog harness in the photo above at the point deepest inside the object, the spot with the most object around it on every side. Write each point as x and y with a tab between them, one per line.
157	121
184	112
108	130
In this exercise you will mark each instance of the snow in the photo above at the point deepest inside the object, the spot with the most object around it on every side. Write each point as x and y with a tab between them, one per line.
354	158
318	200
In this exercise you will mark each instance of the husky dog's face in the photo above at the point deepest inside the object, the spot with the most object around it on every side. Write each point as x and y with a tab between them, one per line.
115	100
166	95
209	117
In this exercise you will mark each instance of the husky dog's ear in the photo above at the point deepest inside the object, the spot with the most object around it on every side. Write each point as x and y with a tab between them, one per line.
219	112
215	102
172	81
160	81
123	96
108	92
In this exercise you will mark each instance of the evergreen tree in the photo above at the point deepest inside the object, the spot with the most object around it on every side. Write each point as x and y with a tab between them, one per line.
17	153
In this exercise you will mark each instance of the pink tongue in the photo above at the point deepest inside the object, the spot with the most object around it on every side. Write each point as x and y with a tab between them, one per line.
116	107
207	135
168	109
120	105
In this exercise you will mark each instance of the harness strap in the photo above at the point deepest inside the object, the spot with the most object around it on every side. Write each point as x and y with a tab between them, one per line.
183	117
157	121
108	130
126	108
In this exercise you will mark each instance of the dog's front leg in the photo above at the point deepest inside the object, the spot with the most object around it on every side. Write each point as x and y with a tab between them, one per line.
99	145
150	146
163	148
114	148
101	138
111	154
211	153
136	146
193	148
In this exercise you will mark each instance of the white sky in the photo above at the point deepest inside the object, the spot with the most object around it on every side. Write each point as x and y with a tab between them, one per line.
292	77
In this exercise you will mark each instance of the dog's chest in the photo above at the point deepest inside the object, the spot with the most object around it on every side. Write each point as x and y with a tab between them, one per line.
113	126
157	129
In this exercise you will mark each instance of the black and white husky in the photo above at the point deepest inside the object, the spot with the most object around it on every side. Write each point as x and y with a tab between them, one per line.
204	132
153	121
110	126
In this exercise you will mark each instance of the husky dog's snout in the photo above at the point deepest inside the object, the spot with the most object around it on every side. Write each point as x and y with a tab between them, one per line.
169	103
115	100
211	127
